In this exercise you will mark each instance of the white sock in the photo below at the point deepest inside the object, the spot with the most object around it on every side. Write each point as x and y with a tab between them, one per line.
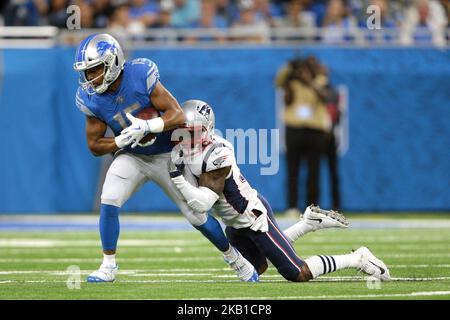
297	230
319	265
109	259
231	254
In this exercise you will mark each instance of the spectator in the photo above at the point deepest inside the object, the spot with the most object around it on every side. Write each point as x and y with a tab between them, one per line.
57	14
307	123
121	24
185	13
247	27
209	19
226	10
316	8
267	11
424	24
320	76
338	25
297	17
446	6
87	18
102	10
25	12
144	11
165	14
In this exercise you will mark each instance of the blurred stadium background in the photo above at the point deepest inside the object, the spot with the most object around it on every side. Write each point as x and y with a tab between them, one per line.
394	155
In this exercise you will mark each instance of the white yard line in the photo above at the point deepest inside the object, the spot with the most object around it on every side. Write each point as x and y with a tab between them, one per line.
49	243
194	271
355	296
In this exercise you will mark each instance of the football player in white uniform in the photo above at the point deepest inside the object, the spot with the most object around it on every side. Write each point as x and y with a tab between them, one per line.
250	224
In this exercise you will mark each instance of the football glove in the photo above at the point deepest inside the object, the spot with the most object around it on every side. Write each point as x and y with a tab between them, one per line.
122	141
261	223
176	163
140	128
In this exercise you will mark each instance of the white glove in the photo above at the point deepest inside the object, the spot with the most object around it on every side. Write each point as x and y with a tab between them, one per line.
122	141
136	131
140	128
261	223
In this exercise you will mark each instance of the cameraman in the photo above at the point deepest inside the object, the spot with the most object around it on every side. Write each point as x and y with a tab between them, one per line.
307	124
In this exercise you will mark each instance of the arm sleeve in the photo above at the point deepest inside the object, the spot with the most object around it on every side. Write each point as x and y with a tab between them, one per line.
199	199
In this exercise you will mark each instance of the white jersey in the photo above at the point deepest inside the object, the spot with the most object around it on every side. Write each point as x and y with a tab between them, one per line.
238	198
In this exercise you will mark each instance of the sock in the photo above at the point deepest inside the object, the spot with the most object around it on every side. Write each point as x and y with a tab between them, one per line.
109	259
297	230
212	230
231	254
109	226
319	265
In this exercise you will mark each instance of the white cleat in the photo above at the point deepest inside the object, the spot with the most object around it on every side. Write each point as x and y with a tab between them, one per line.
243	268
106	273
371	265
321	219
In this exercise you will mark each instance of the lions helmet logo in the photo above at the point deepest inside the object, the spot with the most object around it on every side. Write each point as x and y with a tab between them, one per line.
103	46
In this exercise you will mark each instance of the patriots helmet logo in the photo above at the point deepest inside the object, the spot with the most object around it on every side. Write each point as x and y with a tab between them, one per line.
218	162
205	111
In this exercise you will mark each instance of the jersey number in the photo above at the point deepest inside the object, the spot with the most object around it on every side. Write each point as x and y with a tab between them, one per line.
119	115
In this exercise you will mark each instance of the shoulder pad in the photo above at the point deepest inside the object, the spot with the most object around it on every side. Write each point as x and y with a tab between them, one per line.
217	157
147	71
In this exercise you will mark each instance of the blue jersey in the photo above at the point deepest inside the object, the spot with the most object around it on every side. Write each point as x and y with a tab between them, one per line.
140	77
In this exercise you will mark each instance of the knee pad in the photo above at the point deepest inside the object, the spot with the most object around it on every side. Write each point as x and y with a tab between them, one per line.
122	180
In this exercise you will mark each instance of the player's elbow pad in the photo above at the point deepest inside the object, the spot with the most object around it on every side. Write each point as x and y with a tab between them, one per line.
199	199
204	200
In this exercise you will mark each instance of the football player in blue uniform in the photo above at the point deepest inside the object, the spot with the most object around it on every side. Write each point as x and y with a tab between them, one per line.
111	91
250	223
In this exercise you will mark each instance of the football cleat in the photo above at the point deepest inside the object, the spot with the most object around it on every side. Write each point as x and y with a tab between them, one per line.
244	269
320	219
371	265
106	273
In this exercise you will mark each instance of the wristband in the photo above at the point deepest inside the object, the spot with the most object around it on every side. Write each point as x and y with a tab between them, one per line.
156	125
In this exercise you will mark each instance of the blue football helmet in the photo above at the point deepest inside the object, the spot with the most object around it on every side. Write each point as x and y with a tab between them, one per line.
95	50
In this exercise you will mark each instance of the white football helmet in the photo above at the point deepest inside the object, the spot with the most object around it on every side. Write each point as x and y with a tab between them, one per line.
95	50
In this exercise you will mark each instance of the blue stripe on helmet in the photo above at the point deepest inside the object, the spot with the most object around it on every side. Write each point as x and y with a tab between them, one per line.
82	48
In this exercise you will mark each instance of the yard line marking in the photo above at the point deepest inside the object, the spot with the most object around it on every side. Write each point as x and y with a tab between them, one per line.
393	266
163	273
172	274
218	281
388	295
156	259
44	243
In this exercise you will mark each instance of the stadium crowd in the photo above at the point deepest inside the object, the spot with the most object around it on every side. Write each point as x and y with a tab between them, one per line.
417	21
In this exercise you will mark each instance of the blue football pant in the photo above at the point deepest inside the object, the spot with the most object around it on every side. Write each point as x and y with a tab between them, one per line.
273	245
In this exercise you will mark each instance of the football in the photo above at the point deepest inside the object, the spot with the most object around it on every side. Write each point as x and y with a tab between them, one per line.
147	114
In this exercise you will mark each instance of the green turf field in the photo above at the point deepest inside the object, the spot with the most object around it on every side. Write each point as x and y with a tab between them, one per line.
183	265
